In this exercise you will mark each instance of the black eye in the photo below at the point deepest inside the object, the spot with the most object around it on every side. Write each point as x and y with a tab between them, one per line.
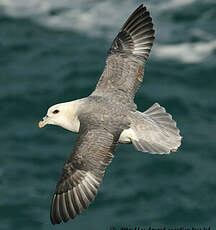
55	111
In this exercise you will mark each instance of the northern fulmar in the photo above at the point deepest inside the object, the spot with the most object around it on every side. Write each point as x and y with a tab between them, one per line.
107	117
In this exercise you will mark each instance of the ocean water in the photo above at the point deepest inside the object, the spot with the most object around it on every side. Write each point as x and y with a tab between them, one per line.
54	51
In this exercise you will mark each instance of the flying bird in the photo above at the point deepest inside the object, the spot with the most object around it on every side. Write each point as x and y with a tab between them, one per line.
109	116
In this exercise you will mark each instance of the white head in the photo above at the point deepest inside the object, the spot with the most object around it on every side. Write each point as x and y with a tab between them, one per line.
64	115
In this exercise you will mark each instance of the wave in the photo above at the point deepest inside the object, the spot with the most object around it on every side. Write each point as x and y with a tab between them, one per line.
103	18
29	8
90	16
186	52
172	4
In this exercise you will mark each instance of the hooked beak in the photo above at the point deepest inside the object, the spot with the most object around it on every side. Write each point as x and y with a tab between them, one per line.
43	122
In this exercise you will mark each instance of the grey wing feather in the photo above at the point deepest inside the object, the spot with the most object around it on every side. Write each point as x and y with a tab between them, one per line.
124	68
82	174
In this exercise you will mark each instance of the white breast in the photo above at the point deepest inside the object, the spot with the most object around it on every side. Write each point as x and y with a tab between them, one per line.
73	126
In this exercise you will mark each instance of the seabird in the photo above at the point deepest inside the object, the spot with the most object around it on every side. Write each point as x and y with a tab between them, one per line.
107	117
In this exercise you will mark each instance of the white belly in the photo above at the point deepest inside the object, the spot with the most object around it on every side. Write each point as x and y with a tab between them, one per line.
127	135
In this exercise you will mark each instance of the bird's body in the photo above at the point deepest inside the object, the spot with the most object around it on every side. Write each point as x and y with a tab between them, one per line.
109	116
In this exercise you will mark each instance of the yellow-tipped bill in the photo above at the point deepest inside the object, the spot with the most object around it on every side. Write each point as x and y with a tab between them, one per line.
43	122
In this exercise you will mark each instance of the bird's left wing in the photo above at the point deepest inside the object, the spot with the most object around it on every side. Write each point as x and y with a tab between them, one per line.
124	68
82	173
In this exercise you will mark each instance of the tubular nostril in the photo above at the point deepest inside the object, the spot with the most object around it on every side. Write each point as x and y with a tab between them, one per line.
44	118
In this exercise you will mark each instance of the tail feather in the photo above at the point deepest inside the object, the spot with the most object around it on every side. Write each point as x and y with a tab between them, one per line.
155	131
144	146
164	119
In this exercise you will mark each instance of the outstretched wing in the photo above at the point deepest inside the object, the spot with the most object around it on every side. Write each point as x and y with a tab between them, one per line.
124	68
82	173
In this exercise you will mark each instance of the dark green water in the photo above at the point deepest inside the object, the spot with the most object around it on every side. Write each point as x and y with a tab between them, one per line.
48	57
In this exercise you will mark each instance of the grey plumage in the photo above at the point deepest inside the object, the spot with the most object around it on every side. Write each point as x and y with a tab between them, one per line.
82	173
109	116
130	49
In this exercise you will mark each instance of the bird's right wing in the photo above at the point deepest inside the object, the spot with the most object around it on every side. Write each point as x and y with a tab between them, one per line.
130	49
82	173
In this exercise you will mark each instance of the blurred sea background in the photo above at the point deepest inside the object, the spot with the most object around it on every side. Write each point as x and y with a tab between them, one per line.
54	51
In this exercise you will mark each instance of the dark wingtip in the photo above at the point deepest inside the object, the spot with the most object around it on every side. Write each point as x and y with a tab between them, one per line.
136	36
54	211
